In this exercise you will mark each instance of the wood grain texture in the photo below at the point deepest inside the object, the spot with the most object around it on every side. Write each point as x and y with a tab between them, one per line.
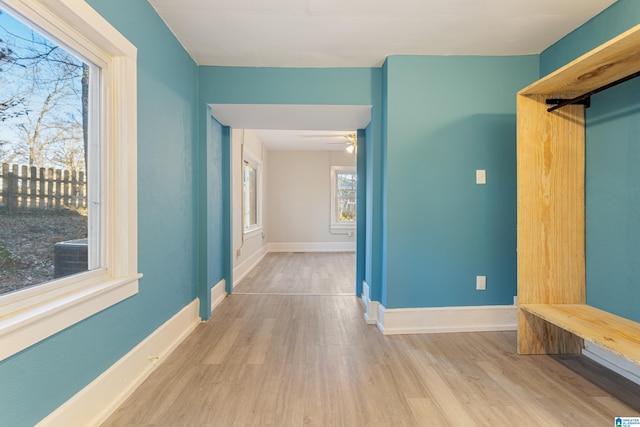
618	335
550	162
605	64
537	336
294	360
551	227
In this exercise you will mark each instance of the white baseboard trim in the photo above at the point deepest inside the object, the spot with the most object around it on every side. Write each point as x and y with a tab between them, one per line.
371	307
617	364
313	247
92	405
218	293
371	315
241	271
434	320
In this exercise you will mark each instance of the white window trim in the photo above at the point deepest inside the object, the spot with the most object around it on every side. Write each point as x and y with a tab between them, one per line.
33	314
335	224
256	229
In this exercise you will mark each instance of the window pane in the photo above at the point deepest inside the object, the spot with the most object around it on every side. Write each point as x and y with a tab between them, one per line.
44	123
346	196
250	196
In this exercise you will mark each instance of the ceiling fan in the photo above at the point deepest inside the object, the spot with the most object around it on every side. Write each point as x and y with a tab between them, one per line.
348	139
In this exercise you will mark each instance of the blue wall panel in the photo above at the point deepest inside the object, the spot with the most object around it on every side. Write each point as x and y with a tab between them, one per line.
319	86
214	200
361	203
368	210
210	183
447	117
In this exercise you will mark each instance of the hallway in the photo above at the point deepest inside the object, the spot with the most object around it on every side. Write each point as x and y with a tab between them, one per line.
292	360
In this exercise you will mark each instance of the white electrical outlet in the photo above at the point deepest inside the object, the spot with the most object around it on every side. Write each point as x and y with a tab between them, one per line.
481	176
481	283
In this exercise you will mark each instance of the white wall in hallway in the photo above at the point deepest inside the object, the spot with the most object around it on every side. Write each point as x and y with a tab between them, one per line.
298	210
248	248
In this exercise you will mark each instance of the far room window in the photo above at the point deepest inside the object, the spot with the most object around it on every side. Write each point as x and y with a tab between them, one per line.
343	196
250	194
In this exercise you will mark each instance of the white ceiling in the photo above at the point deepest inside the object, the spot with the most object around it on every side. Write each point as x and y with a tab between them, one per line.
354	33
361	33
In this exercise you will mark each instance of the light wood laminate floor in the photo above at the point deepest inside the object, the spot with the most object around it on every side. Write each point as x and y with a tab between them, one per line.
297	360
319	273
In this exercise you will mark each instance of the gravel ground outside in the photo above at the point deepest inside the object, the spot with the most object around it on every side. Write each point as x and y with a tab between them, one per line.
27	237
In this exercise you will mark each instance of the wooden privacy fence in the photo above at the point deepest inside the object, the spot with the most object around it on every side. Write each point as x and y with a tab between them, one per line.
41	188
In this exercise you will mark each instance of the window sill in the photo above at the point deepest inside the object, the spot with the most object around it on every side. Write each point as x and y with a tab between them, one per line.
28	325
252	232
343	227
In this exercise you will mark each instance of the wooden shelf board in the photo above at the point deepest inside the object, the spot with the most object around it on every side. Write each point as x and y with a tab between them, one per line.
617	334
605	64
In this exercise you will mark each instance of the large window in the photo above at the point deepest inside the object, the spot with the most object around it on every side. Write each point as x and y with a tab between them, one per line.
68	234
343	197
49	140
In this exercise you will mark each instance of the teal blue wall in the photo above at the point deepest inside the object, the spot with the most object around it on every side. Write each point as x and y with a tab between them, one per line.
379	260
618	18
368	184
214	198
39	379
612	175
361	203
320	86
227	214
374	204
210	184
447	117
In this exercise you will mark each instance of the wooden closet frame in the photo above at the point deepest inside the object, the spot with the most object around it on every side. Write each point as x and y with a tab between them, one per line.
553	317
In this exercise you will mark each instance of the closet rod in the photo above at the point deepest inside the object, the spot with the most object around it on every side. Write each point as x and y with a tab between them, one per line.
577	99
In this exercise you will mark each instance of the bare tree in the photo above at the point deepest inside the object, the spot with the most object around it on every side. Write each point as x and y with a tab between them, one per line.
10	106
44	104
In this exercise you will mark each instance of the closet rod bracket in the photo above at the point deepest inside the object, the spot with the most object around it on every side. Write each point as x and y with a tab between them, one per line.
561	101
579	99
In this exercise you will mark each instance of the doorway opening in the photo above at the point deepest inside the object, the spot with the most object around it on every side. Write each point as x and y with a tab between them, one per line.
294	209
299	118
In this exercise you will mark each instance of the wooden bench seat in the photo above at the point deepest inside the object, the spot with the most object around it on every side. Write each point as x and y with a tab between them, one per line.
616	334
